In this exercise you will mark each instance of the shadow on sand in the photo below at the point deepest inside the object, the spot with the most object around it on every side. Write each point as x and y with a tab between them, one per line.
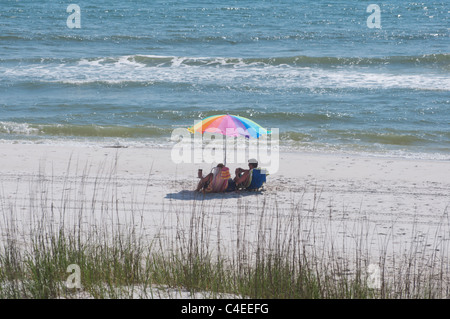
193	195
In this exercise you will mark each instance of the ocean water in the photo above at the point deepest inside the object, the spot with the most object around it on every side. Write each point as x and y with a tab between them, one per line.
328	74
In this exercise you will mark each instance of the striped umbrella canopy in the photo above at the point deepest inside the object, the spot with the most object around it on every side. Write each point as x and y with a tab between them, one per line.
230	125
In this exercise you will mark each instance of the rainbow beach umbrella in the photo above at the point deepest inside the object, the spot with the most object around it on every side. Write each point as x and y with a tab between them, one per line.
229	125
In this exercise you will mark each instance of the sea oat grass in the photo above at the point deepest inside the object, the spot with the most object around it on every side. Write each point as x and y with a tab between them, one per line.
118	260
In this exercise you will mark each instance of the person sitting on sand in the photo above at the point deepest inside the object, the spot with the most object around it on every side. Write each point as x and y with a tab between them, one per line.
216	181
242	179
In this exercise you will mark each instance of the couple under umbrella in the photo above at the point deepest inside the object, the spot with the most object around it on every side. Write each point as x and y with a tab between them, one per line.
219	180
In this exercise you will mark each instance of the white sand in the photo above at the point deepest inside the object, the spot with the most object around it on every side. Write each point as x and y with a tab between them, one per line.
379	205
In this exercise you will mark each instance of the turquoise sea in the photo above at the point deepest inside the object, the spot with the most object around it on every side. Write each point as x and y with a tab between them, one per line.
330	75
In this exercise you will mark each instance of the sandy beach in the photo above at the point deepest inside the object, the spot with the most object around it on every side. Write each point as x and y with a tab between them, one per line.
108	110
382	206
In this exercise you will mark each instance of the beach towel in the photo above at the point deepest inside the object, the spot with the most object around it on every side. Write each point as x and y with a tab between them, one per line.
220	179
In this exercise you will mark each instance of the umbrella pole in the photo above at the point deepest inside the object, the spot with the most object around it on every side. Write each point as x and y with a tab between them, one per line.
225	152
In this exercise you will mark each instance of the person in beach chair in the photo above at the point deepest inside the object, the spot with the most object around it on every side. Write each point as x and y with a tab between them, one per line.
216	181
252	178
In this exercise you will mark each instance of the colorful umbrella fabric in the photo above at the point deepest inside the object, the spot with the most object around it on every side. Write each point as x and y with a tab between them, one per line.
230	125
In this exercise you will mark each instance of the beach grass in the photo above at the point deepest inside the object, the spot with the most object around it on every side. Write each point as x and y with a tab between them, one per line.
273	258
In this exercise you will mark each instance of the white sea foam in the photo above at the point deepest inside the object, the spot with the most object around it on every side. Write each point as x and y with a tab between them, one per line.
17	128
226	72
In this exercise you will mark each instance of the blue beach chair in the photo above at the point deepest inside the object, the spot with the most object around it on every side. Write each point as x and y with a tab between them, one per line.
257	179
